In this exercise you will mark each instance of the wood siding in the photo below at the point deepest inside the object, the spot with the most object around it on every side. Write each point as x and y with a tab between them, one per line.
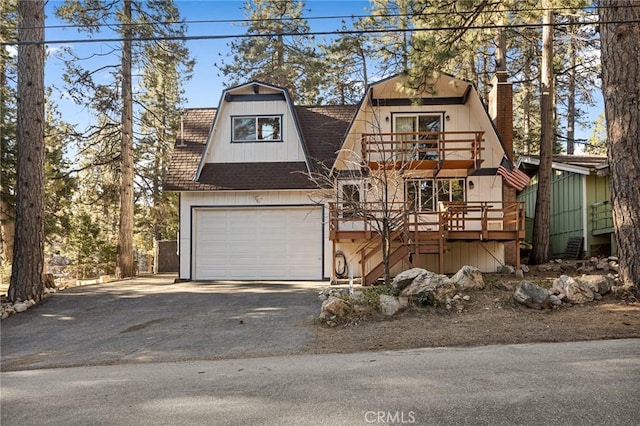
571	211
222	150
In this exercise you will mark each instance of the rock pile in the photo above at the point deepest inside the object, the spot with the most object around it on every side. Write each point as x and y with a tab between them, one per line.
422	287
594	264
565	291
417	286
7	308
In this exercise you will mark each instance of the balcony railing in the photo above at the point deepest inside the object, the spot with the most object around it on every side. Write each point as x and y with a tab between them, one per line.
470	220
422	150
601	218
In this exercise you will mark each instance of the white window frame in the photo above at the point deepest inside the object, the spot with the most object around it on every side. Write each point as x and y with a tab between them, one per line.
435	193
257	137
422	155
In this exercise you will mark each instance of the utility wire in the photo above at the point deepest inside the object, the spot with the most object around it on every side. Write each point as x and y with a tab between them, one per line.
310	33
330	17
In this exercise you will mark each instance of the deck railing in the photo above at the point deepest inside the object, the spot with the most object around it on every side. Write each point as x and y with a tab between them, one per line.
430	149
453	216
365	216
601	218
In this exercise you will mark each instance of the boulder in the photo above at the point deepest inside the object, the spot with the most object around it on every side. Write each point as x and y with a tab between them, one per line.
532	295
506	269
405	278
390	305
545	267
525	268
555	300
586	269
433	287
335	307
575	291
468	277
597	283
20	307
327	292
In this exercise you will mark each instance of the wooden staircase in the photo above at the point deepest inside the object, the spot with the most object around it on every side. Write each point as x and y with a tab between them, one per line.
401	252
403	244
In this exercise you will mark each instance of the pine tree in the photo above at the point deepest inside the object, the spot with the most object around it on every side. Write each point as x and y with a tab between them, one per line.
278	52
28	257
113	102
346	69
620	38
391	50
8	13
165	70
597	143
541	226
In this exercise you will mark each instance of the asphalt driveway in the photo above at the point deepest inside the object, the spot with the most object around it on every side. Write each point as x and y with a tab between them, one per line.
154	319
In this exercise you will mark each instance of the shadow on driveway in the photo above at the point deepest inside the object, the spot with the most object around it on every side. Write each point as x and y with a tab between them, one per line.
154	319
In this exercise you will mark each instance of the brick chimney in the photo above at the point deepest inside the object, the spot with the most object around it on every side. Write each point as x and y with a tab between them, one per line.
501	112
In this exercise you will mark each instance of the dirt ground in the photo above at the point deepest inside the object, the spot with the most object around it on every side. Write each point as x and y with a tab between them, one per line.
489	317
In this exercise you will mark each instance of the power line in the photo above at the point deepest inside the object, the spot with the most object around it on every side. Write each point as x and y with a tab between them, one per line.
310	33
330	17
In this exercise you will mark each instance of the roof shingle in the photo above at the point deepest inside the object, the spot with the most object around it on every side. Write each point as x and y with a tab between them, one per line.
323	129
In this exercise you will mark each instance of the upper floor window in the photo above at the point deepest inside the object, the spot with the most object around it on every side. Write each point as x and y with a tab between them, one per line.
262	128
420	127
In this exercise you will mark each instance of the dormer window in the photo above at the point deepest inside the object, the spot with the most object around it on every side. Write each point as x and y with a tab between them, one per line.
261	128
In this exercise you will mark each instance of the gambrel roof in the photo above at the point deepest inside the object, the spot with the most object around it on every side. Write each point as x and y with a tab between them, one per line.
323	132
196	124
322	127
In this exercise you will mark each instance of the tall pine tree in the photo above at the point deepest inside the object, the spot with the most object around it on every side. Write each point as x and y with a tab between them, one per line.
277	51
28	255
113	138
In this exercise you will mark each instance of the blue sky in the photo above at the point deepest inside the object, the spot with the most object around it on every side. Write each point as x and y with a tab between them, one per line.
204	89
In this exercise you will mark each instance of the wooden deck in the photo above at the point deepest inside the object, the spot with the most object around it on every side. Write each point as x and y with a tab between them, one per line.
413	232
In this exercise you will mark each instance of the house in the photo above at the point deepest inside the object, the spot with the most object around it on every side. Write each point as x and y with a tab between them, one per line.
580	204
272	190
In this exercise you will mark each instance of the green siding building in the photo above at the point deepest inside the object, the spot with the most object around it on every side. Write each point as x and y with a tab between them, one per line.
580	203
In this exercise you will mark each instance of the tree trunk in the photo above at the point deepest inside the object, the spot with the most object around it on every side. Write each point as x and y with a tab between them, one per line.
7	210
125	266
541	224
526	105
571	101
28	257
620	70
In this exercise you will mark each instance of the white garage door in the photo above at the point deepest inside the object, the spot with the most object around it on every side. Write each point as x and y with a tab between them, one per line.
257	243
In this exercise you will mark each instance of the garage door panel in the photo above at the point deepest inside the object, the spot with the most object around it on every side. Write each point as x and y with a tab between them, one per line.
258	243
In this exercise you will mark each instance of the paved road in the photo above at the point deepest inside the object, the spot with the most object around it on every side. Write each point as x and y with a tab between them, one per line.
584	383
152	319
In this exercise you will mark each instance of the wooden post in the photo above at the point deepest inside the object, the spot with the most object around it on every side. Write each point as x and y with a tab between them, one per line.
334	278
